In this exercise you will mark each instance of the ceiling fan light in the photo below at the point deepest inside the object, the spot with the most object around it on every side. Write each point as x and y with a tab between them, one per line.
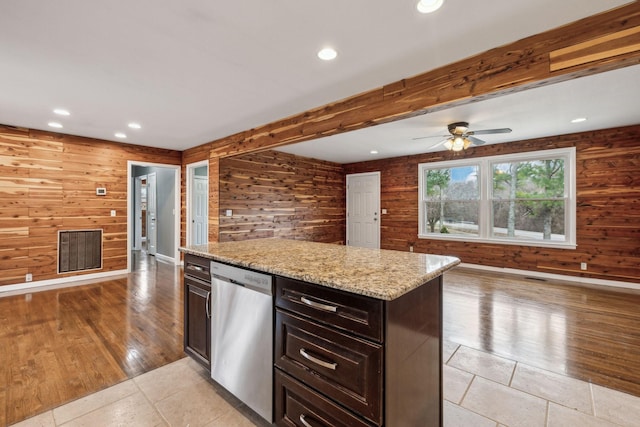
428	6
449	144
467	143
458	144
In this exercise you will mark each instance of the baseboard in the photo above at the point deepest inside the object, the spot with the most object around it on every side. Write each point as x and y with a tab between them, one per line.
165	259
551	276
63	282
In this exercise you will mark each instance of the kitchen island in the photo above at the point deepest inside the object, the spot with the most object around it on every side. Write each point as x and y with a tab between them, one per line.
357	331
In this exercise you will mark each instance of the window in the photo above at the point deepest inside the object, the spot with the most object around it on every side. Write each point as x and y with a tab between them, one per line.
525	198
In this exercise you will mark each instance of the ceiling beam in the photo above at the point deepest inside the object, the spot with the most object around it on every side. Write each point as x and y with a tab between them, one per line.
596	44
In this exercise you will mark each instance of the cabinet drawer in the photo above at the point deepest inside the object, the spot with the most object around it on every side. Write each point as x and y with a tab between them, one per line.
358	314
296	405
344	368
197	266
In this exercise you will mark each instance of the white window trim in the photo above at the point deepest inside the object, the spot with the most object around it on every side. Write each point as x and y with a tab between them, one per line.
484	216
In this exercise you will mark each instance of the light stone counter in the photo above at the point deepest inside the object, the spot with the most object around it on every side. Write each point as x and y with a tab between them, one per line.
378	273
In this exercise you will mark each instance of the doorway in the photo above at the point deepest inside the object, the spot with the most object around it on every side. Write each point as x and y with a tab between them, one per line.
153	206
363	210
198	203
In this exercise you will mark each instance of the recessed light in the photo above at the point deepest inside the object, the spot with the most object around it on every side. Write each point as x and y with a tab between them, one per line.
134	125
579	120
55	125
428	6
120	135
327	54
62	112
373	151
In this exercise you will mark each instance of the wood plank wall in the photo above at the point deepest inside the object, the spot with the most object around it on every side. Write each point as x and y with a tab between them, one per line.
48	183
608	207
528	63
275	194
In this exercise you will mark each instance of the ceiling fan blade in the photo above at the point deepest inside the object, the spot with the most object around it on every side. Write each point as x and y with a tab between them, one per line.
435	147
433	136
475	140
489	131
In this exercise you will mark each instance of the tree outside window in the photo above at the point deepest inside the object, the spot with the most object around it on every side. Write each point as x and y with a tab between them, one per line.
451	200
528	199
521	198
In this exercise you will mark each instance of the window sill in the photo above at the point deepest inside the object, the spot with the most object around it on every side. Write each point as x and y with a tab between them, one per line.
469	239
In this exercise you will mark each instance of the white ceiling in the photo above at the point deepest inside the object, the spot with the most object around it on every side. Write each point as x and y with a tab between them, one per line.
606	100
193	71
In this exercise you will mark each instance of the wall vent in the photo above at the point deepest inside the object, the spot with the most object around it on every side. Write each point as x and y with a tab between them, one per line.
79	250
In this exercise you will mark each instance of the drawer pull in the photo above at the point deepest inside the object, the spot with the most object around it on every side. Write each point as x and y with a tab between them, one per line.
324	307
195	267
328	365
304	422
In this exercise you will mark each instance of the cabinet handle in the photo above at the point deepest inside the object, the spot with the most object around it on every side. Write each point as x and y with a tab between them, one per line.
304	422
195	267
208	304
328	365
324	307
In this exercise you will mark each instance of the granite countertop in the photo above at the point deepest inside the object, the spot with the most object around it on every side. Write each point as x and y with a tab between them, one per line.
378	273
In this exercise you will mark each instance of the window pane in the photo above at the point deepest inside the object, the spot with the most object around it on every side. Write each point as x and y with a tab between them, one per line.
519	198
529	219
529	179
452	200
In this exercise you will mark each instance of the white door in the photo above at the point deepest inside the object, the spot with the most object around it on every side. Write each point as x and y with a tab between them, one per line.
363	210
200	210
152	228
137	238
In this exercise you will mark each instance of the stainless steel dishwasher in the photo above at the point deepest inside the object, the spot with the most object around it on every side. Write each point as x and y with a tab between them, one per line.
242	335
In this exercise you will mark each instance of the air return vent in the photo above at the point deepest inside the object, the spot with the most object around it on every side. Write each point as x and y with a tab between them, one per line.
79	250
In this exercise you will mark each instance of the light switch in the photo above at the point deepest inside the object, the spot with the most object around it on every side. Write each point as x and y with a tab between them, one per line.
113	212
228	212
384	211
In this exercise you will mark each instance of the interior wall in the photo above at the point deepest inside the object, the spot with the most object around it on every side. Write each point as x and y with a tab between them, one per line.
608	206
165	199
48	183
274	194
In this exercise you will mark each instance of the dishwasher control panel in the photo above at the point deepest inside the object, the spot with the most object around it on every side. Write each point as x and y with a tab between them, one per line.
251	279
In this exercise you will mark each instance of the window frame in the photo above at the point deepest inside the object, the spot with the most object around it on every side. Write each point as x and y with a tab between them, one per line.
485	183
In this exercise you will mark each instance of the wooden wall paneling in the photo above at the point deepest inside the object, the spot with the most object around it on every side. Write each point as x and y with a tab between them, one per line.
49	181
45	206
274	194
214	199
608	207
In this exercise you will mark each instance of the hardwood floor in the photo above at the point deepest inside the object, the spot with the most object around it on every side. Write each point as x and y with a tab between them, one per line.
588	333
59	345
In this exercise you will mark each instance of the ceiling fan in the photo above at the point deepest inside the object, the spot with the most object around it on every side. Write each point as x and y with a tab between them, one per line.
462	138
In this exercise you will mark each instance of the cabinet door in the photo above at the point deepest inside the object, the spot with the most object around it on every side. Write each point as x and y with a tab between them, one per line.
197	320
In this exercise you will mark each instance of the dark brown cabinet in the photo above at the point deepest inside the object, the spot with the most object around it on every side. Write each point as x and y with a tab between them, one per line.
197	309
343	359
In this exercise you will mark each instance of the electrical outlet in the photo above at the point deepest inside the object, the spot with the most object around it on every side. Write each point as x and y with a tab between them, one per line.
28	277
583	266
228	212
410	248
113	213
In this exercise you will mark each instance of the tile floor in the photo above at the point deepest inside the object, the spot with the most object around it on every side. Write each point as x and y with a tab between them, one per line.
480	390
